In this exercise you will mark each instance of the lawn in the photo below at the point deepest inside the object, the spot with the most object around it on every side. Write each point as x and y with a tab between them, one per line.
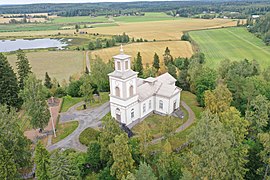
63	130
59	64
231	43
147	50
104	97
68	102
88	135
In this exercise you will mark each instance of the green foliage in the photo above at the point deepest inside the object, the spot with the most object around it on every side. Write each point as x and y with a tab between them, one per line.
121	38
34	97
145	172
185	37
265	153
48	83
257	114
14	147
122	158
156	62
74	88
63	167
181	63
167	57
93	156
89	135
91	46
183	80
172	70
23	67
138	66
42	161
135	146
105	174
8	84
86	89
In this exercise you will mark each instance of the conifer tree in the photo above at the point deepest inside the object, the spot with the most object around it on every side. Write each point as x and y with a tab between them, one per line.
48	81
156	62
172	70
8	84
167	57
138	64
23	67
42	160
123	162
86	89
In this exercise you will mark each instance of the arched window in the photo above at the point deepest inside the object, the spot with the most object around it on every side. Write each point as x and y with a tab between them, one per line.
132	113
117	91
150	104
160	104
131	91
126	65
118	114
144	108
118	66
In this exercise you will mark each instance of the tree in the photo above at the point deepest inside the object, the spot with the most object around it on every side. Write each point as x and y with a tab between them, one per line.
91	46
14	147
23	67
62	167
208	158
167	57
138	65
42	161
172	70
98	44
145	172
8	84
123	162
109	131
86	89
156	62
93	156
265	153
48	82
183	80
34	97
257	114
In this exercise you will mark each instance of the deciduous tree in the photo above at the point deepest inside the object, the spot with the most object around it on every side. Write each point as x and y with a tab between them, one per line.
145	172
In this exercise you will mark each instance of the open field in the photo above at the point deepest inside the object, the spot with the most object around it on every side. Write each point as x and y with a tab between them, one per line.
80	19
147	50
231	43
159	30
59	64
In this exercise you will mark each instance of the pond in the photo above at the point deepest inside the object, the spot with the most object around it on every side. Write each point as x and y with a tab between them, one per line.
13	45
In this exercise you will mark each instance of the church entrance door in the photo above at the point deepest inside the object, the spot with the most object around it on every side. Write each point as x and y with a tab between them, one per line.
174	105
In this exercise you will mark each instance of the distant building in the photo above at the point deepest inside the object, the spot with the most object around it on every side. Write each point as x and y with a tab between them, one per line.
255	16
133	98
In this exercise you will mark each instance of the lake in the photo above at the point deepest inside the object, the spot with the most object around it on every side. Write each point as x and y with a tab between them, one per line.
13	45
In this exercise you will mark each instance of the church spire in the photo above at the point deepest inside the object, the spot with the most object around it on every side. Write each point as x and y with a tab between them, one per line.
121	49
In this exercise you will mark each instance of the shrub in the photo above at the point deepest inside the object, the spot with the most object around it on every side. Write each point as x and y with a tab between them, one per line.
88	135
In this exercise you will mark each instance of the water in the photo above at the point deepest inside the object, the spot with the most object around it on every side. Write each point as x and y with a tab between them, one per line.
13	45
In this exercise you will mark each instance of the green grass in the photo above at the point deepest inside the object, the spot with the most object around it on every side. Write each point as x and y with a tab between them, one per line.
147	17
88	135
191	101
65	129
68	102
28	27
80	19
231	43
104	97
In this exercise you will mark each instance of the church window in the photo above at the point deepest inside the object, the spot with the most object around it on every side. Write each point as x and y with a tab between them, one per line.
118	65
150	104
160	104
132	113
144	108
126	65
117	91
131	91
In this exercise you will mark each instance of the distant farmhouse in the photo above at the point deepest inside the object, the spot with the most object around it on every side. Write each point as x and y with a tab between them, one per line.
132	98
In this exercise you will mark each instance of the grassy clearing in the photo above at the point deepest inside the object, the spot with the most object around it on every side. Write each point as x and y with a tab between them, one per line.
65	129
88	135
59	64
104	97
68	102
147	50
231	43
191	101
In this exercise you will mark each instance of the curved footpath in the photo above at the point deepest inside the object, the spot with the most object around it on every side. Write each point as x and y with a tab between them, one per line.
91	118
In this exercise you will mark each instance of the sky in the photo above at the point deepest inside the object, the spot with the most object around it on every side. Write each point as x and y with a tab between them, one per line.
61	1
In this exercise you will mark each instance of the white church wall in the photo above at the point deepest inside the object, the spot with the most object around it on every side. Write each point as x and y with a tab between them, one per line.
146	110
165	109
175	98
128	84
136	110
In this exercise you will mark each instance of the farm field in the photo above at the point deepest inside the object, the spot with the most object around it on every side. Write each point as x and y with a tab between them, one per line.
159	30
147	50
59	64
153	16
231	43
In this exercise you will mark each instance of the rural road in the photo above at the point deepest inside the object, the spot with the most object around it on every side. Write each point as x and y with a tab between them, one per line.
191	118
86	118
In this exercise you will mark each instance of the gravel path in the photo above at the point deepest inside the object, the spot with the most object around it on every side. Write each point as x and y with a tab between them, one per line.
86	118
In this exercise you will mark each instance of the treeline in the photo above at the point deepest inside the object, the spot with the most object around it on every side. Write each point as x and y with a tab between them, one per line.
183	8
260	27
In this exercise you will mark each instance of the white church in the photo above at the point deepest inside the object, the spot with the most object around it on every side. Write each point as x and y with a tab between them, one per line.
132	98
